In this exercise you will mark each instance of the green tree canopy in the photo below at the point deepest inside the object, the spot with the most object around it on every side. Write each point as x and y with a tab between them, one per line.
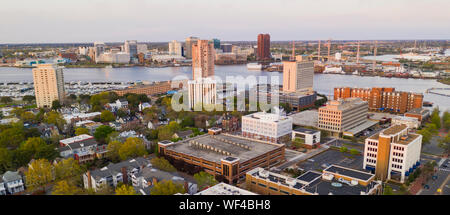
40	172
55	118
113	150
204	180
65	188
102	132
167	187
81	130
125	190
107	116
162	164
133	147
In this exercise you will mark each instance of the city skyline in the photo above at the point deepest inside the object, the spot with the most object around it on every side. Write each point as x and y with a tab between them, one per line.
99	20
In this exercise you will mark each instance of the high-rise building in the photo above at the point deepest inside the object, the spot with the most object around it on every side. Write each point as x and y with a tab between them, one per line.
190	41
175	48
383	99
142	48
342	114
130	47
48	84
99	48
202	59
263	52
394	153
216	43
226	47
202	91
298	76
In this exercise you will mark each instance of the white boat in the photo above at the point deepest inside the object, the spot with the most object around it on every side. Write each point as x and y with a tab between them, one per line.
333	70
254	66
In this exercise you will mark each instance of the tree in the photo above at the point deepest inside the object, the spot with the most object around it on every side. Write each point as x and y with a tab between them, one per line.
37	148
426	135
167	187
388	190
204	180
12	136
28	117
113	150
28	98
65	188
164	133
39	173
133	147
55	118
6	99
162	164
436	120
5	159
125	190
343	149
56	105
107	116
67	169
102	132
354	152
299	143
81	130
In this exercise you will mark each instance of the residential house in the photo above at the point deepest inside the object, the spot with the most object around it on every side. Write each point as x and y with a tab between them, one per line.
82	148
144	180
12	182
112	174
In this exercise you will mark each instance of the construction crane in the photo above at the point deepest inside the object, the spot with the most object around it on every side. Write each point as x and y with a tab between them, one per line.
318	52
357	54
374	57
329	47
293	51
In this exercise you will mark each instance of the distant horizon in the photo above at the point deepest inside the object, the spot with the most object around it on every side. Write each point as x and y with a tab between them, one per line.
85	21
323	40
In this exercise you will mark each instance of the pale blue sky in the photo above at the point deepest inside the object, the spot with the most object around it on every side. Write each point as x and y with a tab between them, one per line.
29	21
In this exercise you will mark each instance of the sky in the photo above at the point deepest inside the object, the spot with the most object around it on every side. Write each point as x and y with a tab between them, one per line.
61	21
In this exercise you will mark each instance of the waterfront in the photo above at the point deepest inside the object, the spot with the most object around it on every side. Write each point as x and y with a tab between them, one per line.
323	83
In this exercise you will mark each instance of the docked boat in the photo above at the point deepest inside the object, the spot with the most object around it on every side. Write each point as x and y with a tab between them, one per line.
427	104
254	66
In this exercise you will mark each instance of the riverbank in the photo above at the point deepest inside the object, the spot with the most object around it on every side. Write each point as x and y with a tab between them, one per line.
444	81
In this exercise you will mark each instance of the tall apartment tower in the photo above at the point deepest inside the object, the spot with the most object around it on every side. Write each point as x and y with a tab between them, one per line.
298	75
202	59
394	153
130	47
175	48
190	41
48	84
263	51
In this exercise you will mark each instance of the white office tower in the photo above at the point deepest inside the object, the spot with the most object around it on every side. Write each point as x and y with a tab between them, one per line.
99	49
130	47
271	127
202	91
175	48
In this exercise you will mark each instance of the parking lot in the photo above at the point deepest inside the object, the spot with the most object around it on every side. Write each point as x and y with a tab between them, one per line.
329	157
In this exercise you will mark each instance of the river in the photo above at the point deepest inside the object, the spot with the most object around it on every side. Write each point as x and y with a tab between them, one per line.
323	83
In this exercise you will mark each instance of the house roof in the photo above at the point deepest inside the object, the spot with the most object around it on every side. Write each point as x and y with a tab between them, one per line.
183	134
78	145
113	169
11	176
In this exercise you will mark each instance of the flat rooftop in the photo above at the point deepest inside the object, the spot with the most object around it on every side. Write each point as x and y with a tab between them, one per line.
305	130
277	178
309	176
334	187
306	118
344	104
349	172
362	127
394	129
216	147
405	140
225	189
421	111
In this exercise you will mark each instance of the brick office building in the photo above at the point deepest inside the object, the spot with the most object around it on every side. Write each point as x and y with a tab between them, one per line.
225	155
263	51
382	99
